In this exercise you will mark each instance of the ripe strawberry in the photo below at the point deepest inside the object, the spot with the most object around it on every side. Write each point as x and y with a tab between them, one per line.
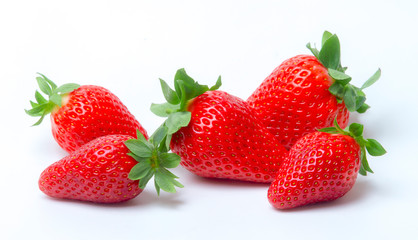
322	166
80	114
216	134
97	172
306	93
110	169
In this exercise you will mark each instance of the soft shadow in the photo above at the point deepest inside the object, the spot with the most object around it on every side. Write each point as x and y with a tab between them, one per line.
204	181
359	191
145	199
166	200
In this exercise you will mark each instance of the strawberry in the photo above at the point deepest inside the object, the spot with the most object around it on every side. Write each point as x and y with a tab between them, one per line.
217	135
109	169
80	114
306	93
97	172
322	166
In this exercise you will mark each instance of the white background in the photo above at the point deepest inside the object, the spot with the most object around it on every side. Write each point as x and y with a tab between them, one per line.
126	46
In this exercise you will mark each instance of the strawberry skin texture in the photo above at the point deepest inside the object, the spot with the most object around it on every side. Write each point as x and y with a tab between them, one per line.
224	139
90	112
294	100
320	167
96	172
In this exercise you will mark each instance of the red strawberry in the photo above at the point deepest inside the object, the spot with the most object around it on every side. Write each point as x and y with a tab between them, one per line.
322	166
216	134
97	172
110	169
80	114
306	93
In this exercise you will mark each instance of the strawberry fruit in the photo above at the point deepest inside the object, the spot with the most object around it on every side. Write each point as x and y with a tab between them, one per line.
96	172
110	169
322	166
217	135
80	114
306	93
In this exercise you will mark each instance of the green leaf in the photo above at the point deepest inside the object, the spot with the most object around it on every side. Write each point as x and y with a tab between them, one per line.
56	99
364	162
356	129
137	158
139	148
43	85
372	79
329	55
140	170
332	130
144	181
363	108
66	88
140	136
168	141
360	99
374	148
164	109
180	85
51	83
183	76
157	186
169	94
177	120
362	171
169	160
39	98
177	183
158	136
39	120
314	51
339	76
37	111
339	129
337	89
325	36
166	181
217	85
33	104
198	90
350	98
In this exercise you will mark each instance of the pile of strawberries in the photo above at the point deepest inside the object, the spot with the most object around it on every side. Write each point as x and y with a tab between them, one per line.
292	132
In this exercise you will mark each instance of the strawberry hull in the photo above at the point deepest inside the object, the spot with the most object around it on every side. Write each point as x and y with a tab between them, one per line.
224	139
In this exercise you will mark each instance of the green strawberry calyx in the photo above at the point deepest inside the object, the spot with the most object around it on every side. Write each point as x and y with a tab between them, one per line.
153	154
330	56
371	146
175	109
43	106
152	161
